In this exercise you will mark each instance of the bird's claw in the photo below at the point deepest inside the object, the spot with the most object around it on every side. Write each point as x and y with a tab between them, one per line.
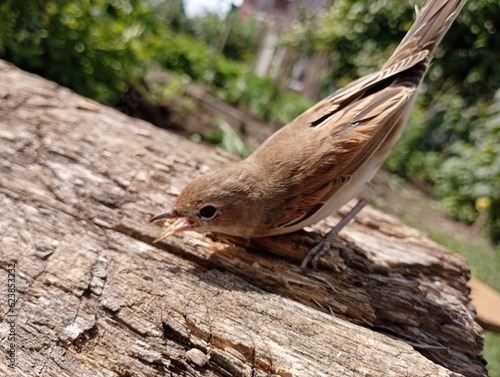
315	254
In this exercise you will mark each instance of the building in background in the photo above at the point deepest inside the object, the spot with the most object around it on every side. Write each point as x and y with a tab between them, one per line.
291	68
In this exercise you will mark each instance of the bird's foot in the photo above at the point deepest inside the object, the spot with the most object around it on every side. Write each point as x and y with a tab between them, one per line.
322	247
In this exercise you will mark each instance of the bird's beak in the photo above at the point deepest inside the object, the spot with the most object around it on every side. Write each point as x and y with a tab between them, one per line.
182	223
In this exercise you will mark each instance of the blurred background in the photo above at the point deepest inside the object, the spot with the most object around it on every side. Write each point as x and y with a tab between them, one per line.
231	72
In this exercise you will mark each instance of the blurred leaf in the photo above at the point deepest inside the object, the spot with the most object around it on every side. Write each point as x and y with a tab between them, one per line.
228	139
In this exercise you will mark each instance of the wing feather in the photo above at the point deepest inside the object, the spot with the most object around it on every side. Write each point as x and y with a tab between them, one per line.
354	134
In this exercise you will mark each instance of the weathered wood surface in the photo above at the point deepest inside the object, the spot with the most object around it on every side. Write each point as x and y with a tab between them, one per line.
95	298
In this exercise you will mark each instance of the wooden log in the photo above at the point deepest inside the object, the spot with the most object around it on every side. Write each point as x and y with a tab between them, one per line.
94	297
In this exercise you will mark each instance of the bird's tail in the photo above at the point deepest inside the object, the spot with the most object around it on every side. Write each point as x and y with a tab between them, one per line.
431	24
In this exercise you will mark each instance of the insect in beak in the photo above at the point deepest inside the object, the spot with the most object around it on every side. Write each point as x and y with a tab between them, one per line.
182	223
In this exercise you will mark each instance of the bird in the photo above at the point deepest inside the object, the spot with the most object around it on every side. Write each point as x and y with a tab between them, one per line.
322	159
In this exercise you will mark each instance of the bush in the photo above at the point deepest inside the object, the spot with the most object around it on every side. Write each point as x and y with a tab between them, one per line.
468	181
101	48
92	47
232	81
452	137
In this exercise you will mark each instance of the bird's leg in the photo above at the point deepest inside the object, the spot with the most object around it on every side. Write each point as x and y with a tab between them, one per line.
322	247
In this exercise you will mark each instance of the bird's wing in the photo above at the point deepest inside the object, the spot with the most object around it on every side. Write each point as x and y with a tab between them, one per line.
320	151
357	89
324	150
349	139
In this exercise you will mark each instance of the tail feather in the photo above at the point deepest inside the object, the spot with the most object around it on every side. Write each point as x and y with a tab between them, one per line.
431	24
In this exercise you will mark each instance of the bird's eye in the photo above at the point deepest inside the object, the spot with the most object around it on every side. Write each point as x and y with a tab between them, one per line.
208	212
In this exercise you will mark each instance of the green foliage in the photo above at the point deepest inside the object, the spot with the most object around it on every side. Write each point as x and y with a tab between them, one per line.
183	54
237	39
101	48
452	140
228	139
492	352
242	38
232	81
171	13
469	55
93	47
361	34
457	150
470	177
261	97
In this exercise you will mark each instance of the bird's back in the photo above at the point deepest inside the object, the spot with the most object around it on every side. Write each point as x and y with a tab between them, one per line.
324	158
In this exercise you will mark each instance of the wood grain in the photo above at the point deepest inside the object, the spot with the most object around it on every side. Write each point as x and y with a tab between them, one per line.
96	298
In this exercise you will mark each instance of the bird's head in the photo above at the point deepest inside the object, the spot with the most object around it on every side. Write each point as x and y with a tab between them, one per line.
220	202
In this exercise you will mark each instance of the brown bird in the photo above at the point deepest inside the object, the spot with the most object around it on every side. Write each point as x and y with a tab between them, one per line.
321	160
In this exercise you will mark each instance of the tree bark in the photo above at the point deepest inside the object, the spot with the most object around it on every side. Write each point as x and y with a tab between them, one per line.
94	297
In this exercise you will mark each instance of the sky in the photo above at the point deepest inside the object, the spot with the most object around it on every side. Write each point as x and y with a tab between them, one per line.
198	7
